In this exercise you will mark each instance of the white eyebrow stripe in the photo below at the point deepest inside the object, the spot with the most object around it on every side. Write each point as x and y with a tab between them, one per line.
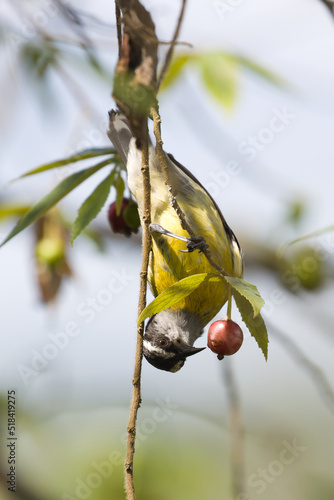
157	350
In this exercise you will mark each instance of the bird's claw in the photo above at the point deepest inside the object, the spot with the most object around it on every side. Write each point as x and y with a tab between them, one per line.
196	243
193	243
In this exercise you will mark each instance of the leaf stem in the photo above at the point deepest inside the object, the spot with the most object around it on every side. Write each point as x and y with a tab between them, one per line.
229	303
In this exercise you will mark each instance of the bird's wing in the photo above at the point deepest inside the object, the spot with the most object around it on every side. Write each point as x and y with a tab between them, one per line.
227	228
120	135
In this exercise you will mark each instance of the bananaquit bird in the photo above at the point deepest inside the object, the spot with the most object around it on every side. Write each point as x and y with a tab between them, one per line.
169	335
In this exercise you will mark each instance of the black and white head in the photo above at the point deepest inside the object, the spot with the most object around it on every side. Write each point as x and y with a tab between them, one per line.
169	338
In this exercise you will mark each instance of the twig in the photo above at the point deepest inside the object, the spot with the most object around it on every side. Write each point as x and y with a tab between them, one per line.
313	371
136	395
136	68
172	196
237	433
172	45
186	44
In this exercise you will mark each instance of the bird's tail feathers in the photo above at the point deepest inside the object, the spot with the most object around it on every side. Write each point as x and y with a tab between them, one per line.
119	133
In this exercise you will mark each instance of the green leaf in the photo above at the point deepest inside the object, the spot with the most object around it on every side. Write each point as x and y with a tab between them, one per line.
249	291
12	210
255	325
81	155
131	215
120	186
92	206
38	58
219	75
177	292
174	70
59	192
257	68
218	69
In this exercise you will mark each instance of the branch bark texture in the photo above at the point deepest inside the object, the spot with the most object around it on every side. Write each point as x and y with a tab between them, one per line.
134	93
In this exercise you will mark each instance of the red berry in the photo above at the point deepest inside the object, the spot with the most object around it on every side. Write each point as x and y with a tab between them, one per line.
118	222
225	337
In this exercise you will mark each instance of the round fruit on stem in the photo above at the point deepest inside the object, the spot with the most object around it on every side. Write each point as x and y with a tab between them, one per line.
225	337
127	220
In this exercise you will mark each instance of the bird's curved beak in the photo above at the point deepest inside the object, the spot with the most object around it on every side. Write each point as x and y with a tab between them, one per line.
185	350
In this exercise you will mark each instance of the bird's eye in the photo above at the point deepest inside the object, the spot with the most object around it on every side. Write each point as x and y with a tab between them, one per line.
162	342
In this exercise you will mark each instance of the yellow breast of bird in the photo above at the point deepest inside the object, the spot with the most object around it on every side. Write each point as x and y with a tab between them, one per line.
169	265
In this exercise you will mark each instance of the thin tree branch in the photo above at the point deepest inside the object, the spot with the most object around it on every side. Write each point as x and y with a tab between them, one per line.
186	44
172	45
136	70
237	432
136	395
172	196
313	371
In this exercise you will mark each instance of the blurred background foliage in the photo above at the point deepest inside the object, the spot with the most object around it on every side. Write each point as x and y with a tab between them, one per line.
187	455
